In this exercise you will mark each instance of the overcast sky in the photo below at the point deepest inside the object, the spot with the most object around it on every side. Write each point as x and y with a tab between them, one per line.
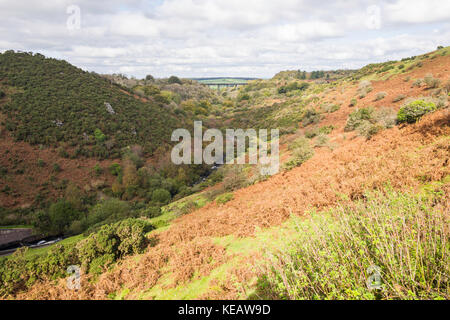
200	38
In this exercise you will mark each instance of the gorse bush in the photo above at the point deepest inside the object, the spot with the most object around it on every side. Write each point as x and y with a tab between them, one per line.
413	111
405	237
368	121
95	253
301	152
357	117
112	242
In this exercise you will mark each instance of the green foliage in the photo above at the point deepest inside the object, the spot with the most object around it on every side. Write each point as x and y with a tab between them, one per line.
99	136
95	253
310	117
161	196
108	211
357	117
152	212
413	111
311	133
115	169
330	108
432	82
334	255
19	273
112	242
317	74
380	96
224	198
97	169
353	102
243	97
398	98
55	101
293	86
174	79
60	215
56	168
2	94
368	121
301	152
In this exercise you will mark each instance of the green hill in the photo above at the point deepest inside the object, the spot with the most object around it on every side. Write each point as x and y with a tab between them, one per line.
49	101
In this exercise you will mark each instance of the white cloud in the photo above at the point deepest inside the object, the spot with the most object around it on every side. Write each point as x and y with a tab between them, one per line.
215	37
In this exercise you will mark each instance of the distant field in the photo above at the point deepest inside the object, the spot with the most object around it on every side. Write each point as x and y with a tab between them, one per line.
223	80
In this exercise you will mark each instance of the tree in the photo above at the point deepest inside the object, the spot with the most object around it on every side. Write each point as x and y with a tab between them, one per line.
61	214
161	196
149	77
174	79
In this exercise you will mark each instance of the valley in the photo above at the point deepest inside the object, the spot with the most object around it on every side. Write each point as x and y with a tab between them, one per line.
364	181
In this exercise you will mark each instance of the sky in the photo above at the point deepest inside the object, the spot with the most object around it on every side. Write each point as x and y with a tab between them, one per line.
206	38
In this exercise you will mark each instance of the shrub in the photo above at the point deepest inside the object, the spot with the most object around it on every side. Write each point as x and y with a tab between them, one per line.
356	117
330	108
380	96
322	140
152	212
368	129
398	98
413	111
447	87
243	96
113	241
56	168
115	169
353	102
386	117
335	253
431	82
161	196
97	170
40	163
417	83
99	136
224	198
95	253
2	94
293	86
301	152
310	117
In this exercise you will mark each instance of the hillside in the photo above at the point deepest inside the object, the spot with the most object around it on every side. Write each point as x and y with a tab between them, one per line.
51	102
63	128
366	154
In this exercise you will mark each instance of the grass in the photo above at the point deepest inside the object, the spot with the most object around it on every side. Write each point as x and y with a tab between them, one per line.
34	252
404	235
17	227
